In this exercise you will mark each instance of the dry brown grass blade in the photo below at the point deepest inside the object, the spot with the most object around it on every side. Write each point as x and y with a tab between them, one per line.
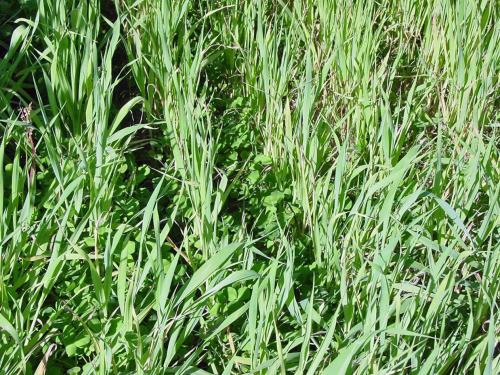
42	366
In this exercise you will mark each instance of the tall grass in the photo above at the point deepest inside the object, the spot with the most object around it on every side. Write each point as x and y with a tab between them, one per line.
229	186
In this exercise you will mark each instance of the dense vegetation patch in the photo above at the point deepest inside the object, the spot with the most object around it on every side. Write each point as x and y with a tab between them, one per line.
237	186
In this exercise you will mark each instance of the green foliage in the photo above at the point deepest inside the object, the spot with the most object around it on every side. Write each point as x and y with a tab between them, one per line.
264	187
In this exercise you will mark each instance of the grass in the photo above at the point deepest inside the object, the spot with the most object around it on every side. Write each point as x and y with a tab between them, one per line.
262	187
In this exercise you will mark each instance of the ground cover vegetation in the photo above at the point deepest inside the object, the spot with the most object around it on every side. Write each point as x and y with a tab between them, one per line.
249	186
